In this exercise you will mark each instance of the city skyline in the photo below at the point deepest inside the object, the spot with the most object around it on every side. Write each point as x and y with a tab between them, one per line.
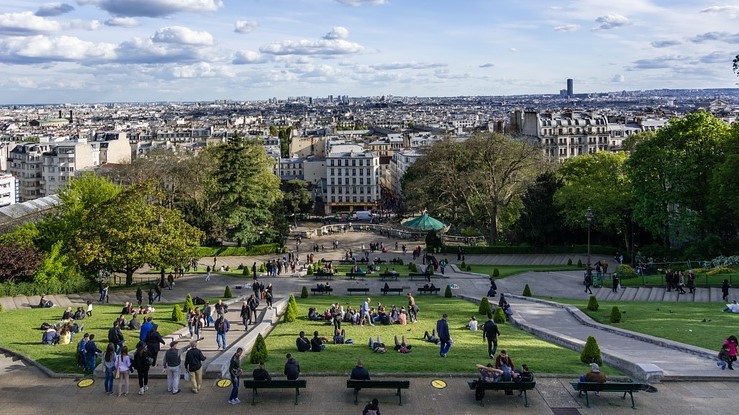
193	50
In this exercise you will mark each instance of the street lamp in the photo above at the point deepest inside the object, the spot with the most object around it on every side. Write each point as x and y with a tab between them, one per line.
589	217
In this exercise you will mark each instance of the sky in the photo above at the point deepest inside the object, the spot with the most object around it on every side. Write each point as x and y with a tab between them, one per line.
198	50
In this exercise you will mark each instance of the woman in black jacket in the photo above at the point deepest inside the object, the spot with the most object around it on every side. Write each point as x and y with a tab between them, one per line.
141	362
154	341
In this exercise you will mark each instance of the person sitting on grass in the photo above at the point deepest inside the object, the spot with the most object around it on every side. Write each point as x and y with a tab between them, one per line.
402	316
472	324
316	343
302	343
732	308
339	336
402	346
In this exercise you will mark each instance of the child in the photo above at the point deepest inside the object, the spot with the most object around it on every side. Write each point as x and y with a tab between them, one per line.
89	308
723	358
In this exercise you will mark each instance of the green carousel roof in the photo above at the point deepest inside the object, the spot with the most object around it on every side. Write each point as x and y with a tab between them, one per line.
424	223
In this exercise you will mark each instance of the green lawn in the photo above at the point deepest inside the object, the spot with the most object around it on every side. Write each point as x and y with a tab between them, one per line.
22	333
508	270
682	322
468	348
701	280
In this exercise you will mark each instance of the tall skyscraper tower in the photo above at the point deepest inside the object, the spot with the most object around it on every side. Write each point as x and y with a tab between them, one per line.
570	87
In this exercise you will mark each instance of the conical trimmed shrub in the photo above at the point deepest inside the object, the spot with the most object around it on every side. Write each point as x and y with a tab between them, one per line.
496	273
189	305
304	292
579	263
448	291
526	291
227	292
485	306
593	303
569	261
246	272
591	352
177	314
615	315
291	312
259	352
499	316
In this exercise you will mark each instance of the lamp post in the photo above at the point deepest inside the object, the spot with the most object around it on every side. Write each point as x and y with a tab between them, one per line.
589	217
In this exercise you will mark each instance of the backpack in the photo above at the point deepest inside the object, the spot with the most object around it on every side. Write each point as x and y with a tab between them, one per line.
479	390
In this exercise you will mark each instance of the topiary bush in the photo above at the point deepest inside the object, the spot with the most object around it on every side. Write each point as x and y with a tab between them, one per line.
227	292
463	265
569	261
291	312
496	273
469	268
246	272
485	306
579	263
263	267
259	352
448	291
177	314
310	270
624	272
615	315
304	292
591	352
593	303
189	305
499	315
526	291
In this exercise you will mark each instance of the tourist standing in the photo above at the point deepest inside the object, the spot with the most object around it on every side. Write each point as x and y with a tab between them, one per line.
123	365
222	327
142	362
445	339
234	369
194	365
172	362
109	362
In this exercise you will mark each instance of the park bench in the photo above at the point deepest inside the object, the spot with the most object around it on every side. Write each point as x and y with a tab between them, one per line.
274	384
347	261
625	387
522	387
324	290
354	275
389	276
429	290
396	261
323	275
377	384
391	290
352	290
422	275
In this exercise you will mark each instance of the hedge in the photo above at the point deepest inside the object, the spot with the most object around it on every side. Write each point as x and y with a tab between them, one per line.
266	249
527	249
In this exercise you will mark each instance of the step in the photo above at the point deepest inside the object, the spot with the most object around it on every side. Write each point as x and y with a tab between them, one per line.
656	294
670	296
629	293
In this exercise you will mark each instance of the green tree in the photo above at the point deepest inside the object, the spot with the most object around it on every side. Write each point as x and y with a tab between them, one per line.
259	353
485	306
291	311
598	181
296	196
304	292
540	223
526	291
23	236
131	230
615	315
448	291
724	193
189	305
593	303
591	352
670	172
227	292
177	314
499	315
55	266
247	191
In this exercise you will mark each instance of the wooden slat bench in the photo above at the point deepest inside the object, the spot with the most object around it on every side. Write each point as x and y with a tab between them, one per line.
625	387
429	290
522	387
323	275
389	276
422	275
354	275
254	385
377	384
391	290
352	290
316	290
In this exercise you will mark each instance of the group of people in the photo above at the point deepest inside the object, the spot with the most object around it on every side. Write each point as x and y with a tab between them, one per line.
677	280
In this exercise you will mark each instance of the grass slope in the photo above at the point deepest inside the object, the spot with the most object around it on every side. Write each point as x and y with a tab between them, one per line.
682	322
468	349
22	333
508	270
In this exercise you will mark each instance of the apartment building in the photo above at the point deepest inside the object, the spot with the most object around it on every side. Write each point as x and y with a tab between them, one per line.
7	189
399	164
353	179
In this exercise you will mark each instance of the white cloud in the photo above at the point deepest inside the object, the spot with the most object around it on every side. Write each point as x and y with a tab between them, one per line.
729	10
717	57
618	79
312	47
84	24
337	32
514	50
446	74
716	36
41	49
183	36
356	3
611	21
153	8
245	57
244	26
122	22
665	43
200	70
53	9
487	65
26	23
567	28
145	51
409	65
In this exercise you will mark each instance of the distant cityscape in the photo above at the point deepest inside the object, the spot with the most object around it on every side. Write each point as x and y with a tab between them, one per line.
352	151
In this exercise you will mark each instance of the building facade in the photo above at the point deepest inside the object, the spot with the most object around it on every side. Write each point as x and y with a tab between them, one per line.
353	179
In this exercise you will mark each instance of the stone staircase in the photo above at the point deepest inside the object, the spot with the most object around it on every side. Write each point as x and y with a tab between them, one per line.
658	294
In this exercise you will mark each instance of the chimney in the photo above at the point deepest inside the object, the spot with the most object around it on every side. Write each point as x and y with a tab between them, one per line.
71	118
60	113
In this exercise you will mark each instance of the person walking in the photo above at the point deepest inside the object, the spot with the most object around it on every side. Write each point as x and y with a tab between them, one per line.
588	281
109	360
412	308
234	369
142	362
151	296
445	339
172	362
725	290
222	326
139	295
194	365
490	332
123	365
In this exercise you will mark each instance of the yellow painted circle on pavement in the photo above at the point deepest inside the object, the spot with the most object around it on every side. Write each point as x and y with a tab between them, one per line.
223	383
438	384
84	383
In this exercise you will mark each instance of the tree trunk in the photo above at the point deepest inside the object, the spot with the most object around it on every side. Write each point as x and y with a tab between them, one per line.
129	276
